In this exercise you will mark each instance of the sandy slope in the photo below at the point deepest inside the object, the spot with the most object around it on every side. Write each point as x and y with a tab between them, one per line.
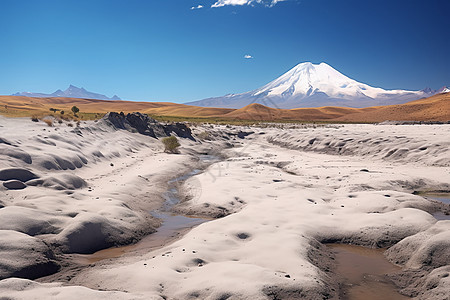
282	195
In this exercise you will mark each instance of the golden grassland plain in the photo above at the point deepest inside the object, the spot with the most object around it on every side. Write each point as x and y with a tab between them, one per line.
435	108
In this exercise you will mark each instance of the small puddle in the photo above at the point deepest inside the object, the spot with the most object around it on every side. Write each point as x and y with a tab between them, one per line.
363	273
208	158
439	215
442	197
172	225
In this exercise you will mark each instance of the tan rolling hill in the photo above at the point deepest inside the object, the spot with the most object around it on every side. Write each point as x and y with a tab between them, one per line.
182	110
261	113
436	108
86	105
27	106
264	113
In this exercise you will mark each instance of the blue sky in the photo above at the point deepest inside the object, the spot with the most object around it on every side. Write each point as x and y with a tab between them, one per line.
164	50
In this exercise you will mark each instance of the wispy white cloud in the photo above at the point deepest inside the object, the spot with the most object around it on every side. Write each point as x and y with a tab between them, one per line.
248	56
268	3
197	7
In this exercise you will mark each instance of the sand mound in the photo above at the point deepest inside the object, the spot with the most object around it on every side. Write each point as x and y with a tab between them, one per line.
24	256
31	290
16	153
61	182
425	257
89	232
427	248
28	221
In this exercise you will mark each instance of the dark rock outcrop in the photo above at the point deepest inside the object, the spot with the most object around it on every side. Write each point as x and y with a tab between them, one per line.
143	124
115	119
242	134
180	129
134	122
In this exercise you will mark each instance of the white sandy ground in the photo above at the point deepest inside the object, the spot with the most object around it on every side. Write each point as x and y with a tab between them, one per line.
80	202
280	205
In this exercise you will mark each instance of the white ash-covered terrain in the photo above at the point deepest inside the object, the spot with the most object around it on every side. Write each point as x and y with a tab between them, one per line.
75	190
277	196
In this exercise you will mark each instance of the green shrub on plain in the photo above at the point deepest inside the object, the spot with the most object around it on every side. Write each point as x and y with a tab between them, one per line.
171	144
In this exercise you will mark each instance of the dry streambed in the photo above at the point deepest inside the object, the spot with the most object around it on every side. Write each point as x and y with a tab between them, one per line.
279	207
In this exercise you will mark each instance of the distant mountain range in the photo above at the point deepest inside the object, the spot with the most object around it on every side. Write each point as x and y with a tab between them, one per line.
316	85
71	92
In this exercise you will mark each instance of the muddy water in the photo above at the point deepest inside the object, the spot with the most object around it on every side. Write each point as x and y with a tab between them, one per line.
362	273
441	216
172	225
442	197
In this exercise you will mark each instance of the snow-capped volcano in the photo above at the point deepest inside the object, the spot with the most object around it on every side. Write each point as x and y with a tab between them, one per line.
314	85
307	79
444	90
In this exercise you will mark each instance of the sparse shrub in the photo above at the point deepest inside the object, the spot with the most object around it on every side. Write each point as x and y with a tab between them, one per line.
205	135
75	110
34	119
62	112
60	121
171	144
49	122
70	124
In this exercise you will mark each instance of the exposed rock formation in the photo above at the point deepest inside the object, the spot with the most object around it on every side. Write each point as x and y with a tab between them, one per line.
143	124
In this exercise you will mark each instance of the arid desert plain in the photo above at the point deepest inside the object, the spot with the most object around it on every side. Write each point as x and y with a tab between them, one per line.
100	211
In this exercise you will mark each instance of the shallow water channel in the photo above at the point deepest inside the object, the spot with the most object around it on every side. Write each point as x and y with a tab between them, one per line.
362	273
172	225
442	197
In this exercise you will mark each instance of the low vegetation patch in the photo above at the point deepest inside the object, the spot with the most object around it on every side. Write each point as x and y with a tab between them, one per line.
171	144
205	135
49	122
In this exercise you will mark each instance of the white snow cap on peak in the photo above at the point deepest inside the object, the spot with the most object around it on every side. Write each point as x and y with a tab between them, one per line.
314	85
306	79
